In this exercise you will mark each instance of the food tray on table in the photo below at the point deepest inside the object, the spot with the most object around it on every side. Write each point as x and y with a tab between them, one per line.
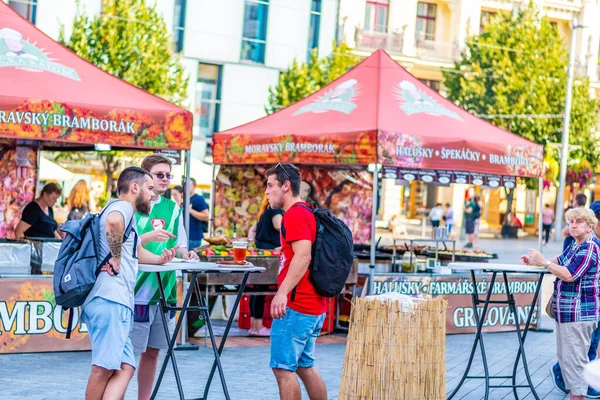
463	255
233	264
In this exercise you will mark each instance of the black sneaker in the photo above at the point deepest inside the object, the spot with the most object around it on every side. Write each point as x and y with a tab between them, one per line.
558	381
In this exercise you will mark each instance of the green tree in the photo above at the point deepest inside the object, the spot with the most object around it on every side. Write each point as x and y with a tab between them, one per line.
129	40
303	79
517	67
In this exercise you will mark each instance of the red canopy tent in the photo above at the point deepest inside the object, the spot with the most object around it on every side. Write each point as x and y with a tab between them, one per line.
378	113
50	98
50	94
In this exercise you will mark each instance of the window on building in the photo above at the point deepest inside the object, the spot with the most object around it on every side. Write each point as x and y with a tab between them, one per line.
486	16
254	38
179	24
27	8
376	16
315	26
207	99
426	21
435	85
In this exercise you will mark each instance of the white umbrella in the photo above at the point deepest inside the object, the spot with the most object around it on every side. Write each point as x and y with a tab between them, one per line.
50	171
200	171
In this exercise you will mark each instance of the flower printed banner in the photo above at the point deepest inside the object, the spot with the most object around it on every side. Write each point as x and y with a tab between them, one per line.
418	152
60	122
353	150
18	168
347	193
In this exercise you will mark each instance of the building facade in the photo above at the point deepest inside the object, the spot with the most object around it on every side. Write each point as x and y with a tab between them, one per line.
428	36
233	50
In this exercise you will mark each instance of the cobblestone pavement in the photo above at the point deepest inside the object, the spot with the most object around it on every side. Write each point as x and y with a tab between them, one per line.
63	375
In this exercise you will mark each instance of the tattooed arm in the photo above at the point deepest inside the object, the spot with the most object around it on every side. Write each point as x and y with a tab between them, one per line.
115	226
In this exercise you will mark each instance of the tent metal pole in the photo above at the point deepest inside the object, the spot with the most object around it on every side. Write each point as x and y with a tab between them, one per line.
186	197
373	231
211	220
184	345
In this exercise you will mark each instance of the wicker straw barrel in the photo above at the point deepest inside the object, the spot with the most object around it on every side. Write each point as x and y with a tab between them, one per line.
395	351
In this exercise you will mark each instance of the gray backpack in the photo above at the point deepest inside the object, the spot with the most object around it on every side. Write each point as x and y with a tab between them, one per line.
79	262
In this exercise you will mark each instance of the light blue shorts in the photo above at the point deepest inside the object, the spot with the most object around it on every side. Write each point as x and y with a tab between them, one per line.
293	340
109	325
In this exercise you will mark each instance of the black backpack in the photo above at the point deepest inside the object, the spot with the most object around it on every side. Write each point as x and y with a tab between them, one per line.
332	253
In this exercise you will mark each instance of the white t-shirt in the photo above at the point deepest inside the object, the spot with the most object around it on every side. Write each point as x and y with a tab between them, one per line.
118	288
436	213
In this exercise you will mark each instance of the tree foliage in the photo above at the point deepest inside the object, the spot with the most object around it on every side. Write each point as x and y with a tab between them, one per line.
303	79
129	40
518	66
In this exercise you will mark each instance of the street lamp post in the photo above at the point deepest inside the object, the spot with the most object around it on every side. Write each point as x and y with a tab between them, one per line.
564	151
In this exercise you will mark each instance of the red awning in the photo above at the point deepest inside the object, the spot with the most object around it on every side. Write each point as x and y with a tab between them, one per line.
49	93
378	112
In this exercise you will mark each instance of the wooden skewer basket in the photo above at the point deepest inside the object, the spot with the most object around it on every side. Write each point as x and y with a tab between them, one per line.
395	351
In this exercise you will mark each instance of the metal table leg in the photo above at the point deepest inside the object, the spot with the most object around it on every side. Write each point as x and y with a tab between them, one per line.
171	340
521	336
217	362
478	336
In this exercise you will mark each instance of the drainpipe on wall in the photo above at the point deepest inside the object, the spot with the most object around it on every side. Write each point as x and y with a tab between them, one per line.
337	23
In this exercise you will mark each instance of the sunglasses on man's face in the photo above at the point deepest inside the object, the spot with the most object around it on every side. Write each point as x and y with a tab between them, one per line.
163	176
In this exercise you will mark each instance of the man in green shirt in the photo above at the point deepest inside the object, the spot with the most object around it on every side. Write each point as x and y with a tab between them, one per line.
162	229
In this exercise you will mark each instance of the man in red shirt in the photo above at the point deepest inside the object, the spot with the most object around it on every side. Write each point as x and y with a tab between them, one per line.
298	311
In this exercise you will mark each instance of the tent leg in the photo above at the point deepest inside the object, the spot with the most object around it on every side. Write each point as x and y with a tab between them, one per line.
211	221
184	345
186	197
373	231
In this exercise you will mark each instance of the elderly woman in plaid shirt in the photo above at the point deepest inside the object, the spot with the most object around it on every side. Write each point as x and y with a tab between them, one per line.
576	299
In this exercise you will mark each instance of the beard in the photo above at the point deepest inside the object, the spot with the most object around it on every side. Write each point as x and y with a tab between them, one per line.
142	205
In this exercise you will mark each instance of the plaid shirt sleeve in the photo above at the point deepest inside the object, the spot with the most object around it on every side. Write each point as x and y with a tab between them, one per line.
564	257
582	261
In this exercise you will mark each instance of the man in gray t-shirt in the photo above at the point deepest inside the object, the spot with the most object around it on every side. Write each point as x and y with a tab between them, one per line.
108	309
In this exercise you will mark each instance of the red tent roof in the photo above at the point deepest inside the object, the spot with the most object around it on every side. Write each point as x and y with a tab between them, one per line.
49	93
378	112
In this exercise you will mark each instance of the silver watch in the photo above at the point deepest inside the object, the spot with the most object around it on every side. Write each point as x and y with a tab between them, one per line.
547	263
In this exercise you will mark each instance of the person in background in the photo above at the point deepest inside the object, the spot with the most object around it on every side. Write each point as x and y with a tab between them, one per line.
471	214
298	319
579	201
575	299
198	216
177	195
555	370
80	202
114	191
547	221
266	236
435	215
37	219
477	211
449	217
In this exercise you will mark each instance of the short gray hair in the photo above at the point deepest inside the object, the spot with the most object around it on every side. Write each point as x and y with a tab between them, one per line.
585	214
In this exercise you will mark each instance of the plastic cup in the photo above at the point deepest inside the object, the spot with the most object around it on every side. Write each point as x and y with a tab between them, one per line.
239	250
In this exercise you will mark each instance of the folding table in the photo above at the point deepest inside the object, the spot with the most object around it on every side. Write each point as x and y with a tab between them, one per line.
194	268
505	270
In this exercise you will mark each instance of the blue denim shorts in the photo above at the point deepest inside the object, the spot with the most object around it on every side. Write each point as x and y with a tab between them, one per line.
293	340
109	325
